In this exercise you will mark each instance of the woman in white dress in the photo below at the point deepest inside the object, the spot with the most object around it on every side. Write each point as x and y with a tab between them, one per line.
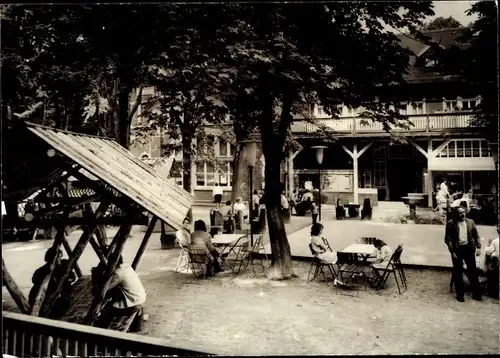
319	247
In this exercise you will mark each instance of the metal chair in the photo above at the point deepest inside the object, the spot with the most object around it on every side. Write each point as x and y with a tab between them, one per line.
319	267
367	240
199	260
347	263
254	251
393	265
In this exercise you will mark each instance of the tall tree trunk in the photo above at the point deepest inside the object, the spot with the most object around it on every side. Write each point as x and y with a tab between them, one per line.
237	173
122	127
272	147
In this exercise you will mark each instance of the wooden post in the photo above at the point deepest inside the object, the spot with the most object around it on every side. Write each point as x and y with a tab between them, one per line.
112	264
430	181
144	243
98	250
70	252
77	252
115	241
14	290
355	169
56	246
102	236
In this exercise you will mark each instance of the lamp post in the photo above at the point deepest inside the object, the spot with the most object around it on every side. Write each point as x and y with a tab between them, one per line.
319	159
250	156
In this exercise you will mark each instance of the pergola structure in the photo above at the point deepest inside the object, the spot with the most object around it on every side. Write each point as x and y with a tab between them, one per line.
40	158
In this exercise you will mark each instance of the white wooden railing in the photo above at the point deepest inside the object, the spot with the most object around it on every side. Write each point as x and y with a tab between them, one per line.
354	125
30	336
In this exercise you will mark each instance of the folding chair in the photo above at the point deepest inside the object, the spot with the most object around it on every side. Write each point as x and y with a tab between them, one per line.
183	260
199	260
367	240
393	265
255	250
319	267
347	263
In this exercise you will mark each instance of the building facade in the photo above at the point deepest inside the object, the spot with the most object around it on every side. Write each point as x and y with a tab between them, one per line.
367	162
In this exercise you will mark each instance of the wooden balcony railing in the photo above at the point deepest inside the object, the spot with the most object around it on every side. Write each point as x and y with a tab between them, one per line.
30	336
421	123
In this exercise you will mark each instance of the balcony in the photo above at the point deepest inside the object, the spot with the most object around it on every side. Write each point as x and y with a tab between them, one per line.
435	122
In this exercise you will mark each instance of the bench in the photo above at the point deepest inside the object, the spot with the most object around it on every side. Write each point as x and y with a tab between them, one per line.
124	323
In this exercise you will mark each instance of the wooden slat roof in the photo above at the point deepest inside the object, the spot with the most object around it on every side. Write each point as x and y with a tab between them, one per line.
113	164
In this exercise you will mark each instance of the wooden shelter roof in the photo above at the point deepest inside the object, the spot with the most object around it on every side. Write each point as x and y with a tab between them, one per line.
29	168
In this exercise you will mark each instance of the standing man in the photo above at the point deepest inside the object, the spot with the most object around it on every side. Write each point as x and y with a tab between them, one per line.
463	241
217	194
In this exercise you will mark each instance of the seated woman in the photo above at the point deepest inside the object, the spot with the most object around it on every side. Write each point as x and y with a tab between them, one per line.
201	239
319	247
383	256
183	236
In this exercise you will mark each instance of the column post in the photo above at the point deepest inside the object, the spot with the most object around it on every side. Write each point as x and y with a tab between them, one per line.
355	175
290	171
430	181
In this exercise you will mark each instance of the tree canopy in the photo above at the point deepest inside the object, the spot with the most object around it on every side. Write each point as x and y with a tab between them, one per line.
441	23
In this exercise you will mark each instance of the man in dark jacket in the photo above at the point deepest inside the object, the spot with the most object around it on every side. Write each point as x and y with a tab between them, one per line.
463	242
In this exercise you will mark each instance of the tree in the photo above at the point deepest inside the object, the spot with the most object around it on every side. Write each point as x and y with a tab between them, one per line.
440	23
287	56
474	58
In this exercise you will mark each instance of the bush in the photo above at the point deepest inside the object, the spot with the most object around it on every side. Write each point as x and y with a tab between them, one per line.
422	218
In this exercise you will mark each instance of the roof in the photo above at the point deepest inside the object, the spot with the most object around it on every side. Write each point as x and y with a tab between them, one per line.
109	162
444	38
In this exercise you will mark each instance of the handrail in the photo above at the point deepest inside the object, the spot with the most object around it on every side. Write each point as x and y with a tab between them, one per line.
421	122
25	335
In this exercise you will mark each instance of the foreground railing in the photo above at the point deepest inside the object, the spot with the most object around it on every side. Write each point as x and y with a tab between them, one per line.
355	125
30	336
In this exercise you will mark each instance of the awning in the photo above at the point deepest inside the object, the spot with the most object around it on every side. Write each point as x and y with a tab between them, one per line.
462	164
113	164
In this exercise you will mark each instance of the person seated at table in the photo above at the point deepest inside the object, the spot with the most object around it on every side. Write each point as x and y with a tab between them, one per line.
42	272
227	214
442	202
319	246
308	196
381	260
125	293
201	239
293	201
183	236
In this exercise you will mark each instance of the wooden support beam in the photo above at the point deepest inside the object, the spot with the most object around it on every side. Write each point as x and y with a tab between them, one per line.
144	243
439	149
56	246
115	241
77	252
70	252
112	264
14	290
419	148
355	157
98	250
364	149
102	236
348	151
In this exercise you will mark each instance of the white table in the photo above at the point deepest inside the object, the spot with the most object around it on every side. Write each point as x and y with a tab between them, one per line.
225	239
361	249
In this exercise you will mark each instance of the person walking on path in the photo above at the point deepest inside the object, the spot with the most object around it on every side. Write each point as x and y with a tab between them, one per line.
217	194
314	212
463	241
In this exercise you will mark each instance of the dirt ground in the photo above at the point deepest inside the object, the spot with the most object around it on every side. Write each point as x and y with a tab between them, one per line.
243	316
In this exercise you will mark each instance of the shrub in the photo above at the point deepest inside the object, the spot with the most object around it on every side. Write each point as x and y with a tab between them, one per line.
422	218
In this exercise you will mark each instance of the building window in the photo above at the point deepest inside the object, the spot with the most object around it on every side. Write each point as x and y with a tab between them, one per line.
207	174
320	111
465	148
225	175
416	108
379	168
224	148
380	152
